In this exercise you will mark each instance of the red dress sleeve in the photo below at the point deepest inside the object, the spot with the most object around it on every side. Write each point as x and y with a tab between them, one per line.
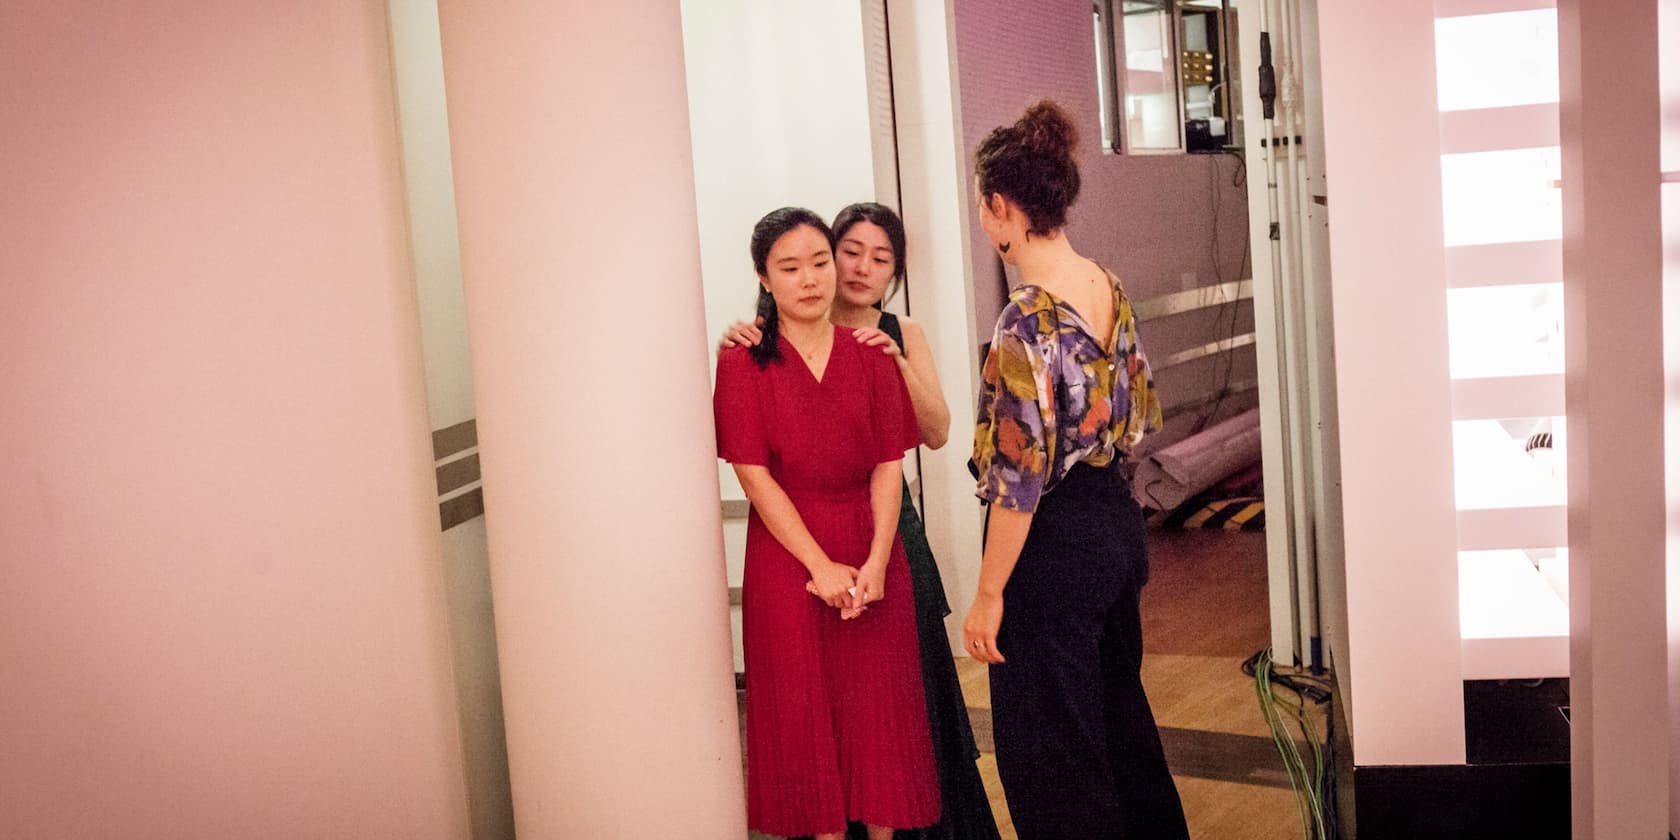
893	414
737	412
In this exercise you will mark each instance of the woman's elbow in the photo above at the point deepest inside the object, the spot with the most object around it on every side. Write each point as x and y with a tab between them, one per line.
936	435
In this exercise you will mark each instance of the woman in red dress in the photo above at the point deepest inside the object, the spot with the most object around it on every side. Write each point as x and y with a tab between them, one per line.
816	427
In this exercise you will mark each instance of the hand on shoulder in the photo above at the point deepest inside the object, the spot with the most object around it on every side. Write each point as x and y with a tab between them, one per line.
742	334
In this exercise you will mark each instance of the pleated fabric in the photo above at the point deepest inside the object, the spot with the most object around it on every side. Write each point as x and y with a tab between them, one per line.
836	718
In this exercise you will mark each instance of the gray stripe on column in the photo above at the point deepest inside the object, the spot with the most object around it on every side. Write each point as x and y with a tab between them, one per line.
457	474
462	508
447	442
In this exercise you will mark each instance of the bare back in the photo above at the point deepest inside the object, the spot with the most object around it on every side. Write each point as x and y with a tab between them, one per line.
1086	287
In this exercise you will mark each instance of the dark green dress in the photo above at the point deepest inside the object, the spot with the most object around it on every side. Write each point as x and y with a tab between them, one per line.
966	812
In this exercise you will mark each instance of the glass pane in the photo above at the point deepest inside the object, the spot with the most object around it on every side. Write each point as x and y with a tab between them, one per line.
1505	330
1151	80
1104	69
1505	196
1200	34
1516	462
1496	61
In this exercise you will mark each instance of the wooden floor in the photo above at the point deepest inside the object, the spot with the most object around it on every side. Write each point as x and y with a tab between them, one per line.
1204	612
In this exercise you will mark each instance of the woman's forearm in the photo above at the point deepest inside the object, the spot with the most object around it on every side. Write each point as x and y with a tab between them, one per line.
779	515
886	494
1006	534
933	417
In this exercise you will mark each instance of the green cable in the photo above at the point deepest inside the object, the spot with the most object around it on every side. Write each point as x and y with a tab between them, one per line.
1308	788
1312	792
1262	681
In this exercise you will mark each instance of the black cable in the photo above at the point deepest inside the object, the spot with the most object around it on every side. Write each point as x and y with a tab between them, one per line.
1149	490
1305	685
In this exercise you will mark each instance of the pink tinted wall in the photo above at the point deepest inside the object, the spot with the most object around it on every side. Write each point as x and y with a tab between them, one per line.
1151	219
222	611
1148	218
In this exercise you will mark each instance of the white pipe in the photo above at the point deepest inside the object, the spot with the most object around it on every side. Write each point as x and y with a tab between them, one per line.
1280	590
1289	330
1302	382
1322	351
1287	416
1318	350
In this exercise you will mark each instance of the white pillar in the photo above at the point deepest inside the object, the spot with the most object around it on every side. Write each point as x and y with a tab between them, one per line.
937	202
1612	269
575	189
1405	695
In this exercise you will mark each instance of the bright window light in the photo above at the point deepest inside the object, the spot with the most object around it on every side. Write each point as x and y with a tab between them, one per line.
1505	330
1504	196
1509	463
1553	564
1502	595
1496	61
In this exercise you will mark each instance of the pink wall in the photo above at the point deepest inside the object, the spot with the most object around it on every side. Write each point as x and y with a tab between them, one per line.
222	613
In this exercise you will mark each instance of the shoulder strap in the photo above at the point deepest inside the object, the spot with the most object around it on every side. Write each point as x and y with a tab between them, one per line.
889	325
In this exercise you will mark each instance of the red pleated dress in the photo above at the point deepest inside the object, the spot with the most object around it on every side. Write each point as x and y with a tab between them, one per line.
836	724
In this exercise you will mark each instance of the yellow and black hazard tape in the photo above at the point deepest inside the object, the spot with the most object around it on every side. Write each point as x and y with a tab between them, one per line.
1243	513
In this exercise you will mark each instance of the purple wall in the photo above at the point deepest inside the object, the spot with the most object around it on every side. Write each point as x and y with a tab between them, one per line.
1150	219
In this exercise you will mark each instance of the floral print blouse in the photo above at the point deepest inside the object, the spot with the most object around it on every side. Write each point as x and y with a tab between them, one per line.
1050	397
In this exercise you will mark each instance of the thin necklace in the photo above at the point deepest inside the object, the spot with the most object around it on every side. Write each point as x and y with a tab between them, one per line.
808	354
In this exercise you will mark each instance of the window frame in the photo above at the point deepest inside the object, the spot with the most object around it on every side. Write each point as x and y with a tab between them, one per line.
1109	31
1111	44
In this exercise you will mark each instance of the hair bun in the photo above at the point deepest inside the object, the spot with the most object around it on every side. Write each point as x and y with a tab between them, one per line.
1031	163
1045	129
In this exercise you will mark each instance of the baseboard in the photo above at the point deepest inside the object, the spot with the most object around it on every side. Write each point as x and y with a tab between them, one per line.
1514	784
1341	770
1516	721
1530	801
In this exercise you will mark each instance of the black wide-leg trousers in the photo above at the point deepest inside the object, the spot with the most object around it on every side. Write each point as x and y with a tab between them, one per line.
1077	747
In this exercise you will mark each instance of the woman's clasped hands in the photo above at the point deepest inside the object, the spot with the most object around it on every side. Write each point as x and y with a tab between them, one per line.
847	589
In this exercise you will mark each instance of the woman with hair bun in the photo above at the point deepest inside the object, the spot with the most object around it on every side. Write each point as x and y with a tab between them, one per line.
1065	393
816	426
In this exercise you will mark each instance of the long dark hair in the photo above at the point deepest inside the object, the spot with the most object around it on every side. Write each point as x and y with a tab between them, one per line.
775	225
888	221
1031	163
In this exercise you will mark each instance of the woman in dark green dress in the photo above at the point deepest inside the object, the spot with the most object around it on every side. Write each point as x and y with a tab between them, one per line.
869	256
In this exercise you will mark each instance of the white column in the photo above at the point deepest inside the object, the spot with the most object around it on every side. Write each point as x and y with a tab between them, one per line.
1405	696
575	189
936	201
1612	278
